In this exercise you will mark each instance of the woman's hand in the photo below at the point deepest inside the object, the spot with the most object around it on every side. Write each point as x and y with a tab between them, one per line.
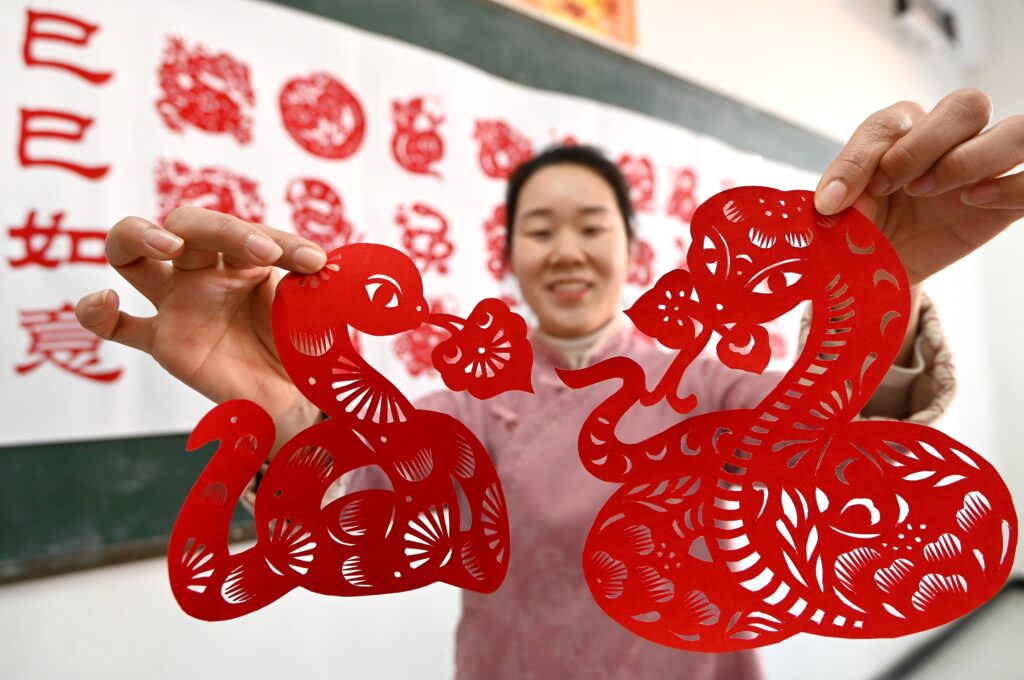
931	181
211	278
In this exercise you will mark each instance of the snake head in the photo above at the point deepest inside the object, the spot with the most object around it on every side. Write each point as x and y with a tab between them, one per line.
372	288
751	253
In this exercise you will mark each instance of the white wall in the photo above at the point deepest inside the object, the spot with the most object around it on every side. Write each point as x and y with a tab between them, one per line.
999	74
123	622
823	64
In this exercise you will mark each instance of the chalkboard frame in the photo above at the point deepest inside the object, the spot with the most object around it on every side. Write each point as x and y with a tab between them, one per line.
78	505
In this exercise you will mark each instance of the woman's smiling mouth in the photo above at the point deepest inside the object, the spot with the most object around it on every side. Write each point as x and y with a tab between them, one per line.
569	290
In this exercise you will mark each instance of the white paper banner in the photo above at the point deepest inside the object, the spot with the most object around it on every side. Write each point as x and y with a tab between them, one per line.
292	120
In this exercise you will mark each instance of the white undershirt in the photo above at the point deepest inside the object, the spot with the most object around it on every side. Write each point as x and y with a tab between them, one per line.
577	352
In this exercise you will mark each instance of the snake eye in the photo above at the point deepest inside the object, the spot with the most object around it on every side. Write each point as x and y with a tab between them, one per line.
383	291
776	282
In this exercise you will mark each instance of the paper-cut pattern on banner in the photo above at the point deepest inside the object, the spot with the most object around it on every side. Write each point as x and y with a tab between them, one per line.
318	213
322	115
211	187
211	92
425	236
683	201
638	172
740	528
438	512
495	241
416	144
501	149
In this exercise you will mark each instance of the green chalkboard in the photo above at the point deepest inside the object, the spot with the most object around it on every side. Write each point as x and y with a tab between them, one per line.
73	506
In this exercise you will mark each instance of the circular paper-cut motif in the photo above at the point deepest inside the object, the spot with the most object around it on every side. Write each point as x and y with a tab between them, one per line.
323	116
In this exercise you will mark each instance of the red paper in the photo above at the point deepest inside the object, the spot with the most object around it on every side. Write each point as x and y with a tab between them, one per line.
740	528
440	515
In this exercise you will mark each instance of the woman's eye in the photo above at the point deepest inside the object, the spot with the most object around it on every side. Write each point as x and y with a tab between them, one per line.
384	292
593	231
539	234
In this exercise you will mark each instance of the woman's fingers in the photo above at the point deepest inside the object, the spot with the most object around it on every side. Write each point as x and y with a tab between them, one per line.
1003	193
135	248
99	314
988	155
848	175
241	243
957	118
134	238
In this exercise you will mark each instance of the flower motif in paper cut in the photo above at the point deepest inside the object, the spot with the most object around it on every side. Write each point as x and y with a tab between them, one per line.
483	356
666	312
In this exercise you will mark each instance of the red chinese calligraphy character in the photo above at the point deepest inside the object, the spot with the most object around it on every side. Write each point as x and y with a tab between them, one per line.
208	187
53	131
318	213
38	241
209	91
494	239
639	174
57	338
79	33
416	143
426	242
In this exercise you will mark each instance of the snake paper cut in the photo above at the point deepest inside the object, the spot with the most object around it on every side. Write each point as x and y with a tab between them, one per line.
436	511
740	528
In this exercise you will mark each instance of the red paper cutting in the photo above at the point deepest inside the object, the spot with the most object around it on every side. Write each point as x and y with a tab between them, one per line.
323	116
436	511
318	213
502	148
210	187
210	91
639	174
425	236
416	143
740	528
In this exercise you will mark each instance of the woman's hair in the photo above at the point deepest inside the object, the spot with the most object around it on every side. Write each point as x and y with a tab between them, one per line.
585	156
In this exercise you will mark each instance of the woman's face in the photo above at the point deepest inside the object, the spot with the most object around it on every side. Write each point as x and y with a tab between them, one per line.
570	252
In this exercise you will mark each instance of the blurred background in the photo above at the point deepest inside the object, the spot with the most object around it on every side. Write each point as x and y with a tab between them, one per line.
734	92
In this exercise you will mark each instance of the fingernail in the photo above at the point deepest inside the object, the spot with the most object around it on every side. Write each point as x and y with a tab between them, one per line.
831	197
980	195
309	258
162	240
96	299
879	184
921	185
262	248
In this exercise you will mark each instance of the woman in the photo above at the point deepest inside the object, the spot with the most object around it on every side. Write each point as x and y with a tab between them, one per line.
929	180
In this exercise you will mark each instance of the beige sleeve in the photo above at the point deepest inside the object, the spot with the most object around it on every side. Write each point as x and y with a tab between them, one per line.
248	498
922	392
